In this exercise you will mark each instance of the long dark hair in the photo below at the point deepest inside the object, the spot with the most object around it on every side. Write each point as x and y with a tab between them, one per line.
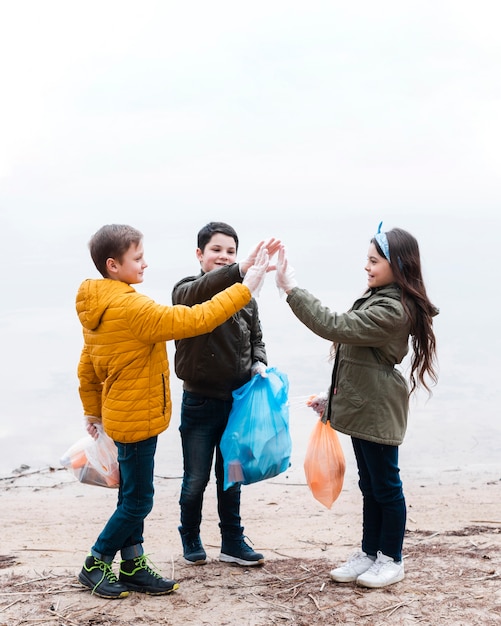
406	265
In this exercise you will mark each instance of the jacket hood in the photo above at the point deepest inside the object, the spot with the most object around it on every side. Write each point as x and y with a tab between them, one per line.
94	296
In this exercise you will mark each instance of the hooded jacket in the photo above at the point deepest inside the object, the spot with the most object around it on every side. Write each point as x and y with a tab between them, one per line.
123	369
368	397
216	364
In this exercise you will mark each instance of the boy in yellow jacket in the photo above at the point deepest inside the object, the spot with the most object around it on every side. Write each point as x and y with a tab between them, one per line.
124	382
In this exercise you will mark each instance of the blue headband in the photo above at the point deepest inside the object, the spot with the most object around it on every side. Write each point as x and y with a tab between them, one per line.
382	242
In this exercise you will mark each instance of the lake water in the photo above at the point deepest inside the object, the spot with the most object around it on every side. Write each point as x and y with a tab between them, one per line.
458	429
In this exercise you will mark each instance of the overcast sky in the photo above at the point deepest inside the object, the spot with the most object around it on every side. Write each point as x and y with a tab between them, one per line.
278	116
122	111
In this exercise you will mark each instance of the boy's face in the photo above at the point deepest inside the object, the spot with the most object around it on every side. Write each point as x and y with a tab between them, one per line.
220	251
131	269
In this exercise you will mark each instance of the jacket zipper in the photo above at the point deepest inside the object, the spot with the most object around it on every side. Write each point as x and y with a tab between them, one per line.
164	392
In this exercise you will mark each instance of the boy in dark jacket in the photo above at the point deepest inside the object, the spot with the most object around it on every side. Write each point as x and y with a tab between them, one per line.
212	366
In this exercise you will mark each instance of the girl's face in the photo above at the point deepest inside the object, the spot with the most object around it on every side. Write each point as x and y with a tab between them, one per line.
220	251
378	268
131	269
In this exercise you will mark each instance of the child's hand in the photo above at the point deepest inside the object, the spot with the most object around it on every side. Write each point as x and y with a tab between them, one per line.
259	368
254	278
272	245
318	403
285	276
91	426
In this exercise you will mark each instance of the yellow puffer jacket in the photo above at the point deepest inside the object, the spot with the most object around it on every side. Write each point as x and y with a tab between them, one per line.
123	369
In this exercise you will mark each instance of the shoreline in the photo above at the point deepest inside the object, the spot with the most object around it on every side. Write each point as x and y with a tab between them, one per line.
452	552
444	473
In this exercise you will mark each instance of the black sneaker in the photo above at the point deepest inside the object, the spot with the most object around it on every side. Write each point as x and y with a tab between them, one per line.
98	576
193	550
237	551
137	575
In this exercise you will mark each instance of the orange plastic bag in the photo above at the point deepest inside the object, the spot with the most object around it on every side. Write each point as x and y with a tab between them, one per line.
324	464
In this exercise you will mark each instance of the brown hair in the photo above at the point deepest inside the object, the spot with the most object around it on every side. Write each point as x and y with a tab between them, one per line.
406	265
112	241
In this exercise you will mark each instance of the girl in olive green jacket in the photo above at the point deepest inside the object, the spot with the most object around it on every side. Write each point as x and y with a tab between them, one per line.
368	396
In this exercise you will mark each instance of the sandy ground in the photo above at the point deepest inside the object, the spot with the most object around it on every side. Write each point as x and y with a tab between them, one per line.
452	556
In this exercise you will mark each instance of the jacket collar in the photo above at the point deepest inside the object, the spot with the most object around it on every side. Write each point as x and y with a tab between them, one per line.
390	290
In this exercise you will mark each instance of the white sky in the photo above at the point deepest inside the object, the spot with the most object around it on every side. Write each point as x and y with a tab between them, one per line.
113	110
278	116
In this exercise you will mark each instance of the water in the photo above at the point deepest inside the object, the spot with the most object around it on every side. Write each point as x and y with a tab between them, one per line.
458	429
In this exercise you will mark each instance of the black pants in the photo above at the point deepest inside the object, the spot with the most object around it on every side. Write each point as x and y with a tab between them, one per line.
384	509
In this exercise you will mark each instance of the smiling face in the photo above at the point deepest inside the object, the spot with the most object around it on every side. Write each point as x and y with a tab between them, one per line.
220	251
131	268
378	268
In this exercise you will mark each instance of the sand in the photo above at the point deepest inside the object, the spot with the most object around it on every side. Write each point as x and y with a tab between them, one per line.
452	556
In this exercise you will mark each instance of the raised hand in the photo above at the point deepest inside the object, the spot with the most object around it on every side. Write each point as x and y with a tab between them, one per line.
272	245
285	276
254	276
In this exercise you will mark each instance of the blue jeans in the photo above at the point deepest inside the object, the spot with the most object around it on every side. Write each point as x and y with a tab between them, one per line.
384	509
203	421
124	530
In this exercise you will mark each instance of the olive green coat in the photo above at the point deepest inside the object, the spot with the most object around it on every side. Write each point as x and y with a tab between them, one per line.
368	397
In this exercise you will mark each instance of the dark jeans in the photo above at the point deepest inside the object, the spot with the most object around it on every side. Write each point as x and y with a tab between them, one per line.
384	509
124	530
203	421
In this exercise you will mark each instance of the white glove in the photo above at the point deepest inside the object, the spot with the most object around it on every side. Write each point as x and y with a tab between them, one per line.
254	277
272	245
318	402
92	425
285	275
259	368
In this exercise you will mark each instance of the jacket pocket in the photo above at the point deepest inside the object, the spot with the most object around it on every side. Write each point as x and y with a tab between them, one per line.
351	395
193	400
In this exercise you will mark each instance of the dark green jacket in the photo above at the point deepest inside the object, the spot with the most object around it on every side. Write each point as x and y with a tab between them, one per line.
368	397
217	363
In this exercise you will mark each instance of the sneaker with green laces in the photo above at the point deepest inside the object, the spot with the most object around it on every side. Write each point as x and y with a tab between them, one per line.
98	576
138	575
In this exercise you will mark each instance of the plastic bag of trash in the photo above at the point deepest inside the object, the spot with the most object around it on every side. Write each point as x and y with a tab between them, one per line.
256	443
94	461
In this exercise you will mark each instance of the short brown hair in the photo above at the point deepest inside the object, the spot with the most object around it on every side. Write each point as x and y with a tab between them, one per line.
112	241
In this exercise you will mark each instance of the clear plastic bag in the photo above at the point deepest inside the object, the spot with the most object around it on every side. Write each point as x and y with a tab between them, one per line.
324	464
94	461
256	443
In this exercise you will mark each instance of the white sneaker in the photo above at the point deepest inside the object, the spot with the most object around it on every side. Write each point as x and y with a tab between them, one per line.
384	571
357	564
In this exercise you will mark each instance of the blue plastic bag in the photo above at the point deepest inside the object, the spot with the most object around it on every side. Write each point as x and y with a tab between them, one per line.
256	443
